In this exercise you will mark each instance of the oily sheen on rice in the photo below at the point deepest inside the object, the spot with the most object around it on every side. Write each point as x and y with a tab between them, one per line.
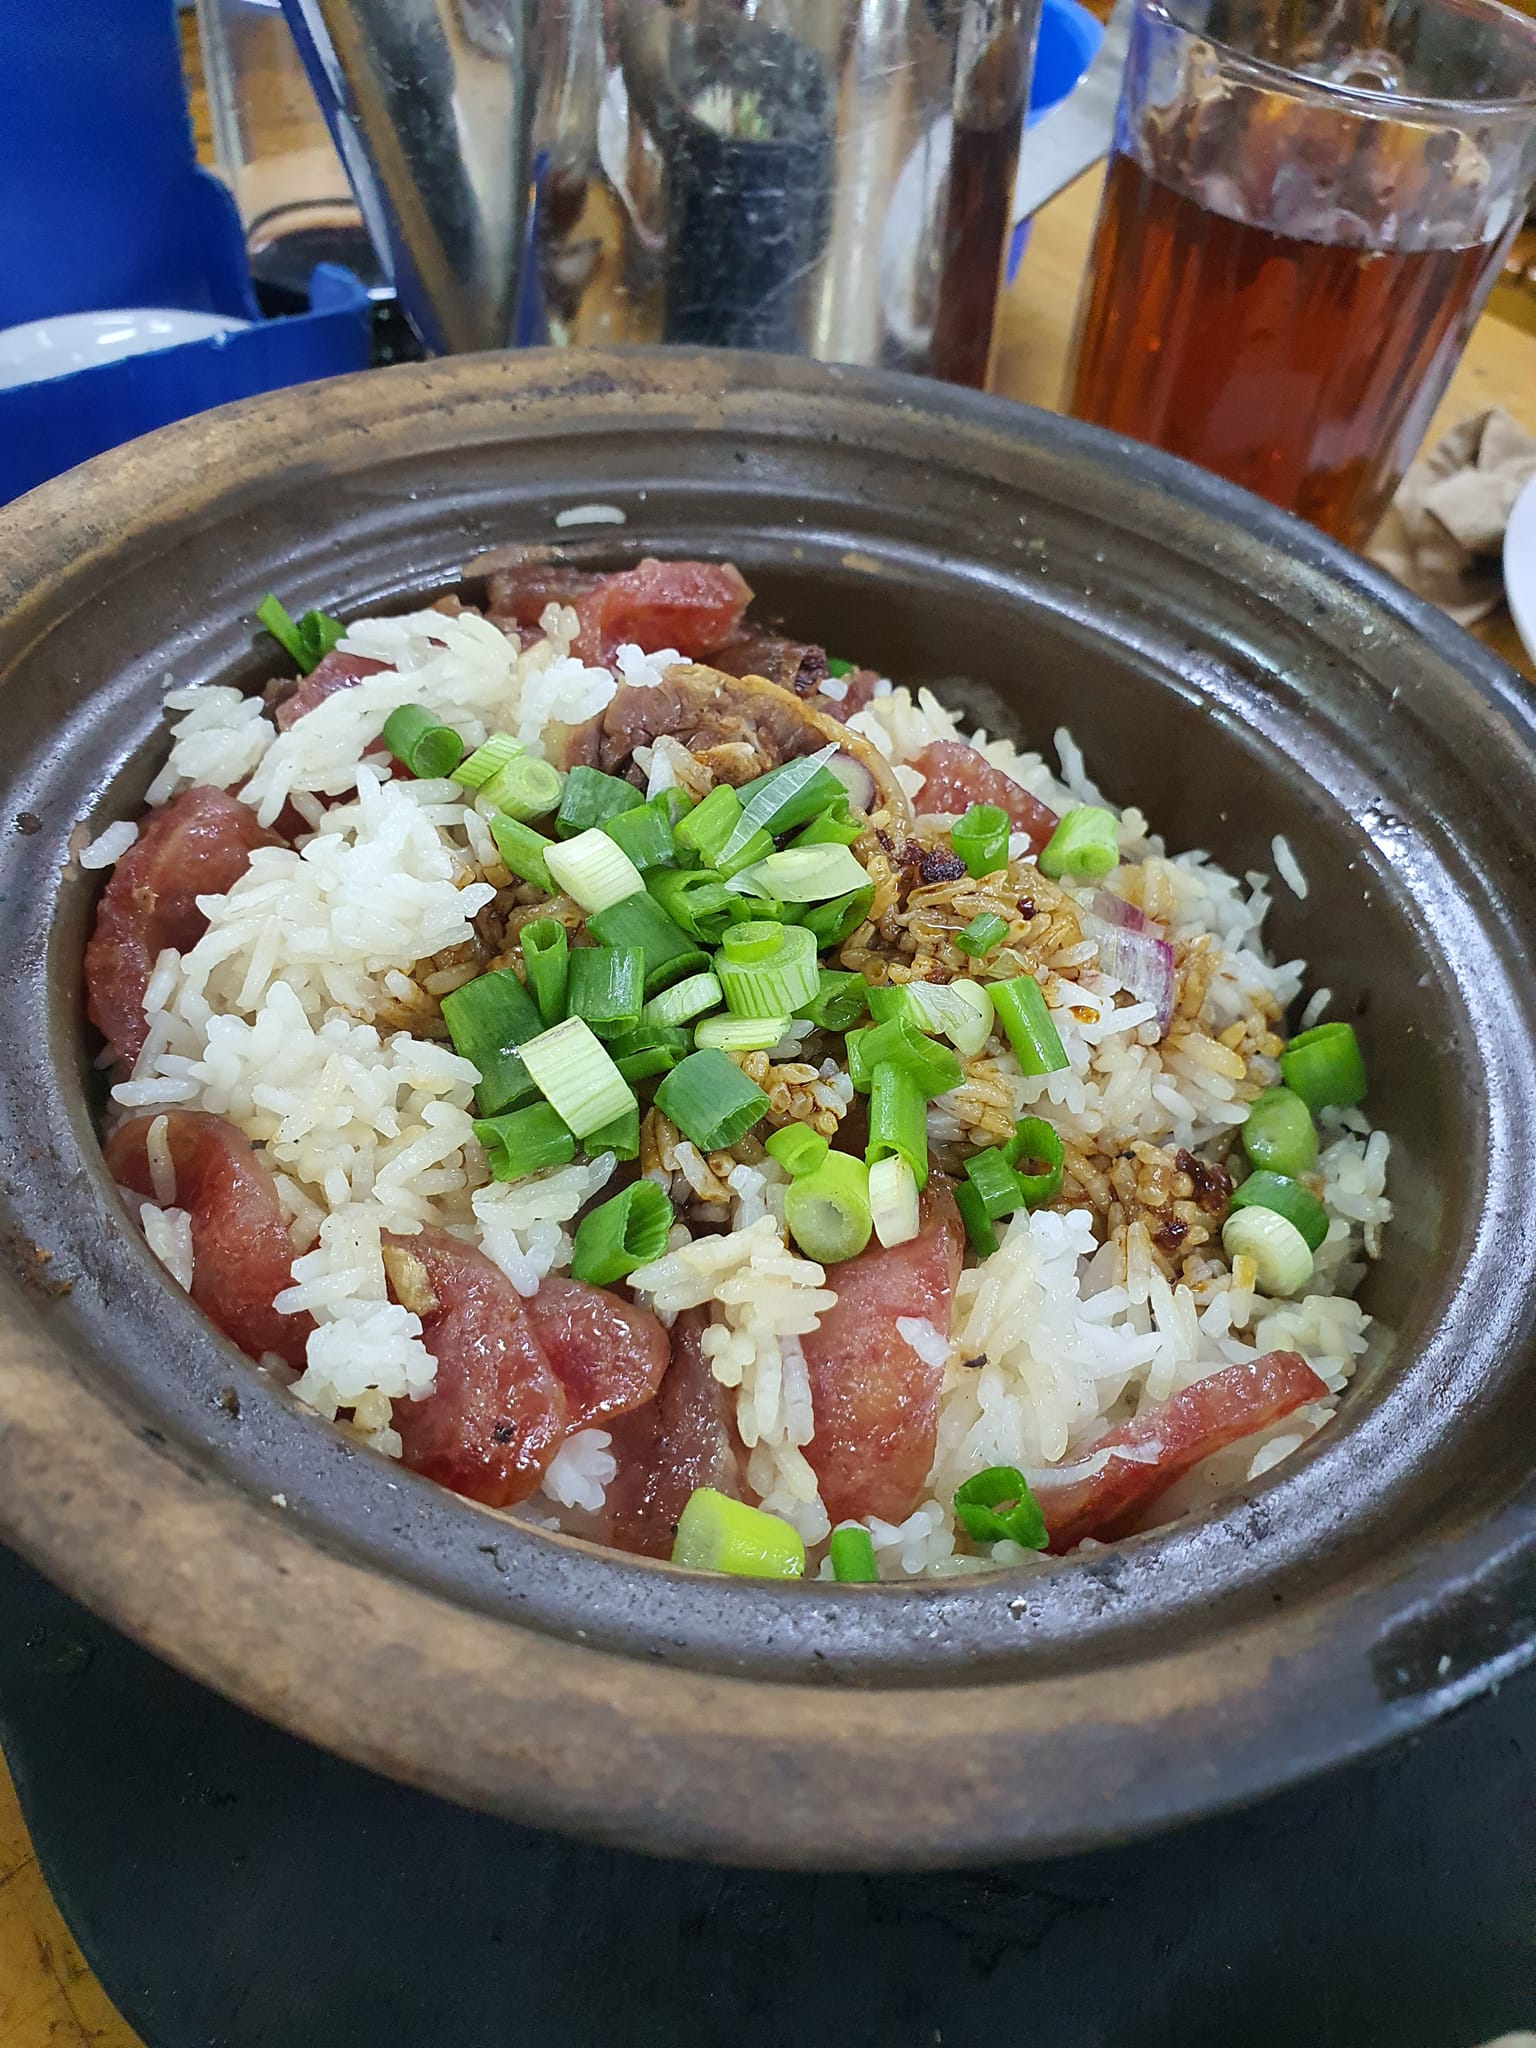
276	1018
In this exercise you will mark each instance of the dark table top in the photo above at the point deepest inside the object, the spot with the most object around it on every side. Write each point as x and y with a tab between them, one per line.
232	1886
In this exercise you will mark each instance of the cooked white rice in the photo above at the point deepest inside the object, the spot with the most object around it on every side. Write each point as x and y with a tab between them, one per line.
270	1020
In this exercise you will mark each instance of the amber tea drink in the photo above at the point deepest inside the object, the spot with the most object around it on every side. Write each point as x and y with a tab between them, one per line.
1302	217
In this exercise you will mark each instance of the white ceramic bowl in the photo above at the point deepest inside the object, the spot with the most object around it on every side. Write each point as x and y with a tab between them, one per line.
1520	566
76	341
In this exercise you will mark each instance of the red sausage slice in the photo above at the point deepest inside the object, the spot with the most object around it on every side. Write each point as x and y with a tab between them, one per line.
681	1440
956	776
1206	1417
875	1402
200	844
607	1353
242	1255
336	672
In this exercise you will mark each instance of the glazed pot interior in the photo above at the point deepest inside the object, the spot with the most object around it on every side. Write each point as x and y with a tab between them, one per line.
1219	668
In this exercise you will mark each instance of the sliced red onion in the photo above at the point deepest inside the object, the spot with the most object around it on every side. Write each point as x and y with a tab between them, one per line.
1115	910
1141	962
856	779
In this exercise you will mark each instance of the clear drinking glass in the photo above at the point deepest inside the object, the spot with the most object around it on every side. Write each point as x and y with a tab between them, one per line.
1303	214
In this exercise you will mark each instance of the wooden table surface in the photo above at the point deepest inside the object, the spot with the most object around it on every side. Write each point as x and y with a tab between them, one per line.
48	1997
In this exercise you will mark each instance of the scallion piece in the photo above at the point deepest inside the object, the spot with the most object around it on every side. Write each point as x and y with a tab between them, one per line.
1323	1066
711	1100
645	834
674	805
980	839
1020	1004
488	760
718	1534
1036	1154
767	970
741	1034
684	1001
621	1137
995	1181
575	1074
525	1141
997	1506
899	1043
851	1550
546	952
985	931
798	1149
522	851
1265	1190
960	1010
671	1036
833	828
593	870
838	669
804	874
978	1224
591	798
893	1204
525	788
898	1119
606	987
638	920
830	923
1084	846
841	1000
1280	1133
645	1064
785	797
309	639
708	828
488	1020
826	1212
627	1231
698	902
420	743
1281	1258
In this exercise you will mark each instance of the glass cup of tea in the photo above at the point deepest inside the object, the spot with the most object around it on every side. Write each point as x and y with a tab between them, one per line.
1304	211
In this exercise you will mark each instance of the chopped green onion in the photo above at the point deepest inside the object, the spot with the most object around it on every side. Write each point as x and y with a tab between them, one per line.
546	950
833	828
768	970
985	931
838	669
638	920
718	1534
1084	846
1280	1133
1020	1004
980	839
309	640
684	1001
840	1001
671	1037
627	1231
1323	1066
961	1010
606	987
488	760
698	902
978	1224
591	798
522	851
418	742
831	923
785	797
575	1074
995	1181
899	1043
674	805
1036	1154
1281	1257
645	834
593	870
893	1201
1265	1190
890	999
645	1063
826	1212
489	1019
741	1034
997	1506
621	1137
709	827
525	788
711	1100
804	874
898	1118
852	1554
524	1142
798	1149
